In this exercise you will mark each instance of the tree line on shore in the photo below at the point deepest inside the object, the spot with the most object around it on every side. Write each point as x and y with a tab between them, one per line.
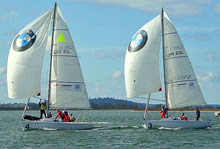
103	103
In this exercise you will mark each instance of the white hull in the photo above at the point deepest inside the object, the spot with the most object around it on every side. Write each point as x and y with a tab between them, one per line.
56	124
177	123
217	114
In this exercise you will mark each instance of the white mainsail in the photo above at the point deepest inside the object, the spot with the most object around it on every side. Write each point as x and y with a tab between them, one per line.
67	88
26	57
182	88
142	74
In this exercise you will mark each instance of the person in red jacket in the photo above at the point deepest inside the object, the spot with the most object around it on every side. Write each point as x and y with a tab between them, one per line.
163	111
183	117
59	113
66	116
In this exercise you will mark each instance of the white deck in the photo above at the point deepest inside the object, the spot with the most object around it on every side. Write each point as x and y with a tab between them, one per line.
177	123
56	124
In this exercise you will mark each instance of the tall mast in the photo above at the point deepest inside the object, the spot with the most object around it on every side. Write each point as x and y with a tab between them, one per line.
51	53
162	24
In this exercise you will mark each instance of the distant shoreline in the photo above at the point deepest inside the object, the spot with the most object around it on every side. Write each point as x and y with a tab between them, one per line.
180	110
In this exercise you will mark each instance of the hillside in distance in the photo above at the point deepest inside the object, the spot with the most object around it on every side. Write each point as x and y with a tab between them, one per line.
110	103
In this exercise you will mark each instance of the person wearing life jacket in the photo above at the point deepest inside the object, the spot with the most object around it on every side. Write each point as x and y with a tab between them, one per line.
59	114
183	117
42	109
66	116
163	111
72	119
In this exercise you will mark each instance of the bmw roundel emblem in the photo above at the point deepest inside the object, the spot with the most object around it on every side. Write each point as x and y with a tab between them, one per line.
77	86
24	41
138	41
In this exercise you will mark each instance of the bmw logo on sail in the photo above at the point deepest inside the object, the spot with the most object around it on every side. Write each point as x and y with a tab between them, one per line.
138	41
24	41
77	87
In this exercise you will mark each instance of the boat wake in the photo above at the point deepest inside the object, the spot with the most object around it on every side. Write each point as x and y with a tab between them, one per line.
101	122
170	128
49	129
126	127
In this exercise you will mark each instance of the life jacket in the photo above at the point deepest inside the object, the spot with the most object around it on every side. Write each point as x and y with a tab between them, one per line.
185	118
72	118
42	107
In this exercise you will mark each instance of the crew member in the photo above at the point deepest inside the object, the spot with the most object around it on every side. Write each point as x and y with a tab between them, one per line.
42	109
59	113
163	111
72	119
197	114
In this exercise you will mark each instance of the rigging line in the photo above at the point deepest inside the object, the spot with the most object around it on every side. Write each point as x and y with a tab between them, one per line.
171	113
151	117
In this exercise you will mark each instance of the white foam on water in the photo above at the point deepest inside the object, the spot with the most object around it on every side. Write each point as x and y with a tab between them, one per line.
170	128
101	122
50	129
145	127
135	127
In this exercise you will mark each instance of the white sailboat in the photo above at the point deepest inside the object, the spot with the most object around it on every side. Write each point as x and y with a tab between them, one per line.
67	88
142	74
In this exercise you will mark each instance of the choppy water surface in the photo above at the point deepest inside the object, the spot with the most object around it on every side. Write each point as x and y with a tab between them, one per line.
113	129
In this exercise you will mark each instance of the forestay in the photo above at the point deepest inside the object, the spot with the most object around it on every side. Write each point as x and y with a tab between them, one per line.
182	88
68	90
142	74
26	58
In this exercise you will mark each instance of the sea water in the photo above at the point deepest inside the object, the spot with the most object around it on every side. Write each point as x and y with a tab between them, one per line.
113	129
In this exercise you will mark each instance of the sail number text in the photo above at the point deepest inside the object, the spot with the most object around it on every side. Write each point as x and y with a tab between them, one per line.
175	53
63	49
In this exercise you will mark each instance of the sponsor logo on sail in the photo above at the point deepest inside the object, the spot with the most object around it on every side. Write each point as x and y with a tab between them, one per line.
138	41
24	41
191	84
61	38
77	87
